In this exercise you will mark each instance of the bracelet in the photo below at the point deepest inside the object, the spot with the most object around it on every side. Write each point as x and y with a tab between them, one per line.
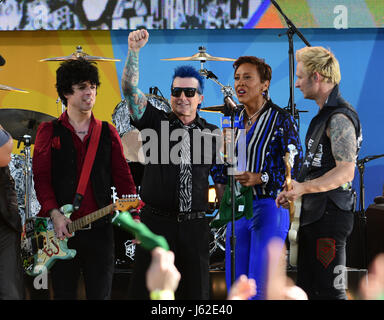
162	295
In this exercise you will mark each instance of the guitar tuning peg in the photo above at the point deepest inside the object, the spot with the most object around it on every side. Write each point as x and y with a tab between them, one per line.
114	194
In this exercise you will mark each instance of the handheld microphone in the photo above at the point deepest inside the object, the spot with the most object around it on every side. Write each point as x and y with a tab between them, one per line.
2	61
230	102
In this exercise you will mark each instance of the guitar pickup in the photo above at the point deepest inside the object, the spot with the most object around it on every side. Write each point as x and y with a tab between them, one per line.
37	243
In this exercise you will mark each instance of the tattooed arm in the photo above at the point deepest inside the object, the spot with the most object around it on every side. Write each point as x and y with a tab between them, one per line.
341	132
136	99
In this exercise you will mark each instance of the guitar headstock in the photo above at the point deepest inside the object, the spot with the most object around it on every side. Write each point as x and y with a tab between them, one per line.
127	202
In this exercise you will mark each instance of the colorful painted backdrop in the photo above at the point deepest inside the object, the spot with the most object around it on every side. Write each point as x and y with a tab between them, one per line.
187	14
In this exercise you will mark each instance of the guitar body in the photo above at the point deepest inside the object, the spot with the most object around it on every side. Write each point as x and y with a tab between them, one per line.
48	248
293	234
294	209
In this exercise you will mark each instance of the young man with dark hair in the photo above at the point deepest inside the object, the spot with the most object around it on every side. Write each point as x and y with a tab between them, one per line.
60	150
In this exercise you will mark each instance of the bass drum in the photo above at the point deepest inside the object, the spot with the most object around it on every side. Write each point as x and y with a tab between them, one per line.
17	169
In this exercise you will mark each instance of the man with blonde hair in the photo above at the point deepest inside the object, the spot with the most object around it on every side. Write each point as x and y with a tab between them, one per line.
324	183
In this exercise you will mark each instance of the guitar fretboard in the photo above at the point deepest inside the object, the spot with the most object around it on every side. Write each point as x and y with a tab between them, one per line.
79	223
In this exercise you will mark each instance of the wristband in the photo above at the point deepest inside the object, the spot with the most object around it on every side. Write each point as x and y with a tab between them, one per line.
162	295
380	296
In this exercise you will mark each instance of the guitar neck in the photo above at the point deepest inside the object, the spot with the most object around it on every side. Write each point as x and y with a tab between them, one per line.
80	223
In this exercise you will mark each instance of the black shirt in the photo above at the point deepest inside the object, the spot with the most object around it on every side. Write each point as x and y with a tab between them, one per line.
322	161
162	133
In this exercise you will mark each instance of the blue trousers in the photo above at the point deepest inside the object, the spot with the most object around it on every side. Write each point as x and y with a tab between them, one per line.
252	238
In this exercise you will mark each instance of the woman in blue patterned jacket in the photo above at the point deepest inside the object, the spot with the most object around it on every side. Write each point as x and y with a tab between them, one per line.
268	133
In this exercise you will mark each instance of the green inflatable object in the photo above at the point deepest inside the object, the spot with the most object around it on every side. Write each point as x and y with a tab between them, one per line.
148	239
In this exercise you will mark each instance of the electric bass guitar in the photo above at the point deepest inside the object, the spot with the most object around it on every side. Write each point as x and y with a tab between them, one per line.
46	248
294	210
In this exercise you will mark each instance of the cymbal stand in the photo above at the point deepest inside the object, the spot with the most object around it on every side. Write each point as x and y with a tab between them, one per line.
361	167
230	109
27	174
292	30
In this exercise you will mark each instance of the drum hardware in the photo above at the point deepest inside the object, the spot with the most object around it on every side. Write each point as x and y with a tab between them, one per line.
292	30
26	139
217	248
80	54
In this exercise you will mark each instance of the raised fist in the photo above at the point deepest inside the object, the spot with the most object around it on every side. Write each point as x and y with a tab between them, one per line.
137	39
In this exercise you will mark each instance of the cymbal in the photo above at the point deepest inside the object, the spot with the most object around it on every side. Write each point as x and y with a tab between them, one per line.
80	54
7	88
202	55
19	122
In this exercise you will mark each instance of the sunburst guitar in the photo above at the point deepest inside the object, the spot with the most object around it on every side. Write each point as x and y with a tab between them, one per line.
46	248
294	210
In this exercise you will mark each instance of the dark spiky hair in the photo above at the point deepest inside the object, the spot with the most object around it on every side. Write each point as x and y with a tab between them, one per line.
74	72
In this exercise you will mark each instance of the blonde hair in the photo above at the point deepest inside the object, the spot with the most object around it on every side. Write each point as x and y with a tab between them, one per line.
321	60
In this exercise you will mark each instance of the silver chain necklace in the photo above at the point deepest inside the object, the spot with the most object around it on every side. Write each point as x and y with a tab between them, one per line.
249	121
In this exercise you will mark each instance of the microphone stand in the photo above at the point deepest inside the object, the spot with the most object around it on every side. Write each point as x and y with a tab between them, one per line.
292	30
230	110
27	173
363	233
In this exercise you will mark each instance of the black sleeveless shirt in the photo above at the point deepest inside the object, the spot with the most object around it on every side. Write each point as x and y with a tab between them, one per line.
64	167
323	161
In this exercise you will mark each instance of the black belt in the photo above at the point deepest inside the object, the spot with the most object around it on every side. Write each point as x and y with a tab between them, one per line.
179	216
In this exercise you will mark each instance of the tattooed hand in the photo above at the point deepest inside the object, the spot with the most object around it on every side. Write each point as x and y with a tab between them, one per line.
137	39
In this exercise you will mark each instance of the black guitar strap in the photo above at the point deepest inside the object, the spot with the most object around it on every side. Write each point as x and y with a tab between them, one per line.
310	153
